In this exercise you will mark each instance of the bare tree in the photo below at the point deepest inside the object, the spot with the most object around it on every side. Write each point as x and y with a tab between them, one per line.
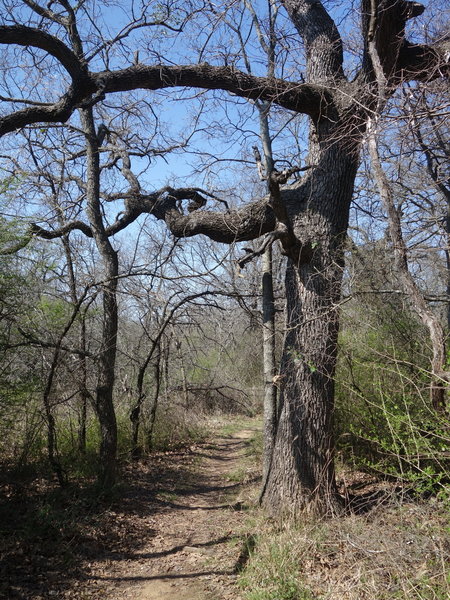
409	285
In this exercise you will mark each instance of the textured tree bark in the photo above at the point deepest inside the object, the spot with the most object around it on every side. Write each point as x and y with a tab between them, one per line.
104	404
302	468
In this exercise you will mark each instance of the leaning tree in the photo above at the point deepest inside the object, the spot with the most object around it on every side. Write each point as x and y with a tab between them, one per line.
308	218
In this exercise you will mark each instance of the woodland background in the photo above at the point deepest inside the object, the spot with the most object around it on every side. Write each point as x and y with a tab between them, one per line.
191	312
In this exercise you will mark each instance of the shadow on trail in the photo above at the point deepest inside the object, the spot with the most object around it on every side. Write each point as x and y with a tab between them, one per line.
168	576
205	490
48	535
169	552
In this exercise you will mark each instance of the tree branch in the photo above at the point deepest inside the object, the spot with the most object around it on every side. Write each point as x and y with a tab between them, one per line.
324	53
268	240
251	221
384	24
304	98
245	224
28	36
44	12
53	234
423	63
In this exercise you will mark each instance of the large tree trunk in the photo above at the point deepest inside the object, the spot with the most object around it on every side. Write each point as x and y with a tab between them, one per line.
302	464
302	469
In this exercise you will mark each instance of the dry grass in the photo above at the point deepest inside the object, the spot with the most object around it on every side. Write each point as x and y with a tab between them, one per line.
393	552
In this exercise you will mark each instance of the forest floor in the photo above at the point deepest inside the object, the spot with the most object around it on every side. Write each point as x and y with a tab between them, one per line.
175	532
183	524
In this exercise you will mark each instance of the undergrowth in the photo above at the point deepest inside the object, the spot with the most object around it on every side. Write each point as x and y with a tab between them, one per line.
174	429
400	552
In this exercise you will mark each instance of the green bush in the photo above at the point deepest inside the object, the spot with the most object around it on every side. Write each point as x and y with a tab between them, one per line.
384	419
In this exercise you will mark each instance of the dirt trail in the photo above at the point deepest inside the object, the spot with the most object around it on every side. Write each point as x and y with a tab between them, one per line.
195	545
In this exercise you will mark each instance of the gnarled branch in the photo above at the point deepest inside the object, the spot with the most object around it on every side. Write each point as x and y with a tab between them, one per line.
248	223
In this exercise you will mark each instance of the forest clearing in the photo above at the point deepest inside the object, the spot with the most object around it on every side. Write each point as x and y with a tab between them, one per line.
225	299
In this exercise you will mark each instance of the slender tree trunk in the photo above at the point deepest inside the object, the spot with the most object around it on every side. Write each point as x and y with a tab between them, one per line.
83	394
52	440
270	390
104	405
135	415
154	405
135	418
165	350
268	308
183	374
